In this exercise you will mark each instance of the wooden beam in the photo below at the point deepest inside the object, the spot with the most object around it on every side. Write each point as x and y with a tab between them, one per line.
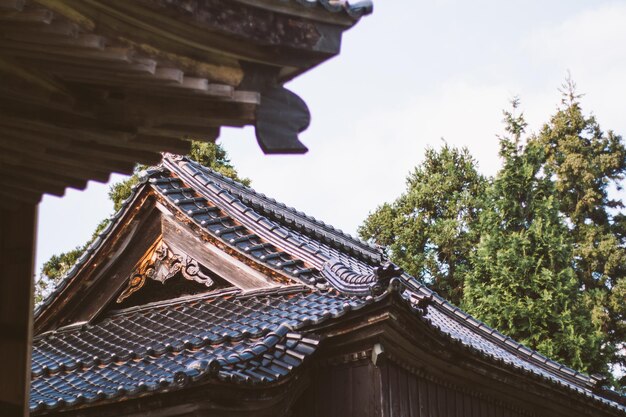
11	192
181	239
73	158
30	16
21	159
66	53
161	143
11	5
17	248
32	185
52	178
56	29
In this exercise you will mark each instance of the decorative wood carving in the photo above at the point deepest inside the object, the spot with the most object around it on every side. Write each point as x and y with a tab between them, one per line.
160	264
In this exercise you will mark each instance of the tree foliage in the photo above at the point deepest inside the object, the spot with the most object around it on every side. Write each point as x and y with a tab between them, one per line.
538	251
586	163
522	280
208	154
429	228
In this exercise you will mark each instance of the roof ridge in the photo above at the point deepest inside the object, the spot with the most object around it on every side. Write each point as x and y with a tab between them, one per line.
334	236
502	340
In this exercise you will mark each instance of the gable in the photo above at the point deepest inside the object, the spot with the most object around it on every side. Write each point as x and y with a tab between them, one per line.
152	241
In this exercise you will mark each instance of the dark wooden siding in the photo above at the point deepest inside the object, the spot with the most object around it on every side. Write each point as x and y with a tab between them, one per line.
391	391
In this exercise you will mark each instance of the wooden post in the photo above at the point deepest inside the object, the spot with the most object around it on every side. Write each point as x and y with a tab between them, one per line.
18	226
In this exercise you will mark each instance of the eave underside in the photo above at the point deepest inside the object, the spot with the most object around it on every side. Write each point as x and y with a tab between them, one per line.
93	87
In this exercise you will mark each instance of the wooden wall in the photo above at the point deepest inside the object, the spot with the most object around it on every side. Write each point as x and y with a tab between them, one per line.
362	389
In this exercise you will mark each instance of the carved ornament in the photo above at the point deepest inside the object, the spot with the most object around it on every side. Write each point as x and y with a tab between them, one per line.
160	263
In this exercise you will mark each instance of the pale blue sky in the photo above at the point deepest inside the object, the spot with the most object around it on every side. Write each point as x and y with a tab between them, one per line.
410	74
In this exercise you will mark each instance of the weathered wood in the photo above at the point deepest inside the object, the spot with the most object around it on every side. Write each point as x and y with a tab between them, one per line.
12	5
25	161
34	174
69	54
211	27
36	185
40	15
68	157
161	143
15	193
225	266
137	231
23	138
55	31
17	246
295	9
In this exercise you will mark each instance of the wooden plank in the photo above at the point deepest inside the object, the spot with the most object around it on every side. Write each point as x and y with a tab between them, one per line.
413	392
423	397
17	248
68	54
181	239
220	112
377	397
341	399
20	159
394	388
11	5
87	41
35	185
49	177
160	144
384	390
41	16
441	400
362	391
205	134
76	159
22	80
45	140
21	195
56	29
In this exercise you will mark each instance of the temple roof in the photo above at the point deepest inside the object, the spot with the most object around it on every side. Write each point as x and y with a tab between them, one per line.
317	276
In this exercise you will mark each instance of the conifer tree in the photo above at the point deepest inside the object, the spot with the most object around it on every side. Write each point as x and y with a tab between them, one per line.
585	163
429	228
522	281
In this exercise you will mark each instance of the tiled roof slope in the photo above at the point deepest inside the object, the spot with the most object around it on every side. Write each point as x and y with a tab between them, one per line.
246	338
194	338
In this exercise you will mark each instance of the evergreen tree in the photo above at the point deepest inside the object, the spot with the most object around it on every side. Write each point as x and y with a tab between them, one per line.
522	281
208	154
428	229
585	162
546	262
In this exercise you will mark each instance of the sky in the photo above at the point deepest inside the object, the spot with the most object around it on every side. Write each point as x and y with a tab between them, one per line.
411	75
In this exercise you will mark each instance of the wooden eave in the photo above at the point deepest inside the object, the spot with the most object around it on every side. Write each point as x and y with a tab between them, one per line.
419	348
92	87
